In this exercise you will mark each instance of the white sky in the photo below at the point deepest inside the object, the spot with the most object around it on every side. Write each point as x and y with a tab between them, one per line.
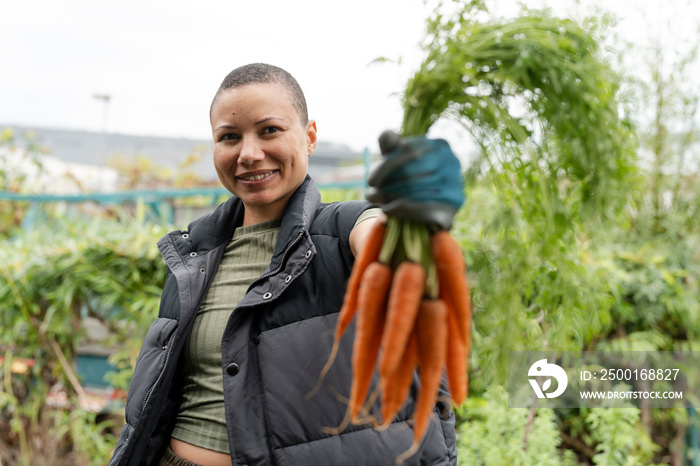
161	61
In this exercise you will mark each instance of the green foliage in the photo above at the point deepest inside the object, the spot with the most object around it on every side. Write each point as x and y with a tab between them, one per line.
341	194
537	95
656	306
565	250
543	107
619	438
493	434
529	291
51	280
85	434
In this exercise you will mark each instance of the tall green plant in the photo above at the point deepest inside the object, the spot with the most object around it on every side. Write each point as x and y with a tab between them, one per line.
555	171
534	90
542	105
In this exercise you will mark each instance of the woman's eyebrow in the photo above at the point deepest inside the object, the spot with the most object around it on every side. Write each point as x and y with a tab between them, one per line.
266	119
225	127
259	122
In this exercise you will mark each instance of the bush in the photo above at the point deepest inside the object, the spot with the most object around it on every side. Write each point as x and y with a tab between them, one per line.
51	280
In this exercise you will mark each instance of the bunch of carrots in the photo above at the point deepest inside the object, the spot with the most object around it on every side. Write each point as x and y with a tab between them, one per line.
408	290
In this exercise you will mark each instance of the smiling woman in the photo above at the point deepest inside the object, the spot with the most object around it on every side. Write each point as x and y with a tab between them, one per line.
249	306
261	146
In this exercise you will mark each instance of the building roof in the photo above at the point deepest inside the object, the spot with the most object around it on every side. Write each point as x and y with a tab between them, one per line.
98	148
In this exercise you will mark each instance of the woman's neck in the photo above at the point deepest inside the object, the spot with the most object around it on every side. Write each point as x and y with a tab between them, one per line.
254	216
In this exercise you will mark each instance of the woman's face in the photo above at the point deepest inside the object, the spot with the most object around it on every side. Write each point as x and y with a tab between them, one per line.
261	148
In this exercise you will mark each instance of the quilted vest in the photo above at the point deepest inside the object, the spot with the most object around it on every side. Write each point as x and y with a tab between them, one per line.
275	344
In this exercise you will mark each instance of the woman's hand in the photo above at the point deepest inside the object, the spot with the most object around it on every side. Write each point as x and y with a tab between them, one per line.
419	179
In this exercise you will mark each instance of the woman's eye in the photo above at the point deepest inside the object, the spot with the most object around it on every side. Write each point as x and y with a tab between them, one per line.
270	129
228	136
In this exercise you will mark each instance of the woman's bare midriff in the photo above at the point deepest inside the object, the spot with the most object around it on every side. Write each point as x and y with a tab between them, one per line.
198	454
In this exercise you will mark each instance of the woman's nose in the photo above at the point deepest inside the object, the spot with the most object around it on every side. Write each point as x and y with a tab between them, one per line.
251	151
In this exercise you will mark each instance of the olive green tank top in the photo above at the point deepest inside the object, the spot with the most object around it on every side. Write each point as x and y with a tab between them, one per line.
201	420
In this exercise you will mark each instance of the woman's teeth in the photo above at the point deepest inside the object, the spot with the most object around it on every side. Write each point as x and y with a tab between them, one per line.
256	177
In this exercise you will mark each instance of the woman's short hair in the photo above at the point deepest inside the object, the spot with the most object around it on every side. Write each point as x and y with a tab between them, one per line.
262	73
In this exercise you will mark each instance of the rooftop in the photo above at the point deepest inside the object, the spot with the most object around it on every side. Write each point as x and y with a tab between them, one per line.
98	148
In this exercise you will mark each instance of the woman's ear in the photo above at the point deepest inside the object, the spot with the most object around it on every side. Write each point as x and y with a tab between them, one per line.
311	137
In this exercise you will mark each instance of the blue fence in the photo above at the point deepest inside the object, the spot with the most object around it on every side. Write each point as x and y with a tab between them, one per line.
156	200
147	196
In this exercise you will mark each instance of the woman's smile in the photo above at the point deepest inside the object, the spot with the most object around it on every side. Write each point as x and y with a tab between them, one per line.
257	179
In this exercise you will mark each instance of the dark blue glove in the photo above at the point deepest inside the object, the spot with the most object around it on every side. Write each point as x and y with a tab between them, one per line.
419	179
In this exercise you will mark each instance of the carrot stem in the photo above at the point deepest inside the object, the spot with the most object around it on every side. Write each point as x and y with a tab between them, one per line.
391	241
432	287
412	241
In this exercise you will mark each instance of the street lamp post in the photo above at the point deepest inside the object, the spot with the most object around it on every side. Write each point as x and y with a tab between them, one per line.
103	137
105	108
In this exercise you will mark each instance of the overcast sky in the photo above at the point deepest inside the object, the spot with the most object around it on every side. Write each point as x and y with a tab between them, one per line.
161	61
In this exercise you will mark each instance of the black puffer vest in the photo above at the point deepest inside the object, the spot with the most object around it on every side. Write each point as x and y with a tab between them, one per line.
274	347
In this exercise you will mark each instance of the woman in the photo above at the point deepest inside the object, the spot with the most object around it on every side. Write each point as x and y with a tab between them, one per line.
249	306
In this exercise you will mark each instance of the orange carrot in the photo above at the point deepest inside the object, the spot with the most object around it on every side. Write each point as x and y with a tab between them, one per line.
371	303
395	387
404	301
368	254
457	363
452	278
432	350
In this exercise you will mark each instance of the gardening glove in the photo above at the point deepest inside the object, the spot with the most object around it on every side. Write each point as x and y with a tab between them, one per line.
419	180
